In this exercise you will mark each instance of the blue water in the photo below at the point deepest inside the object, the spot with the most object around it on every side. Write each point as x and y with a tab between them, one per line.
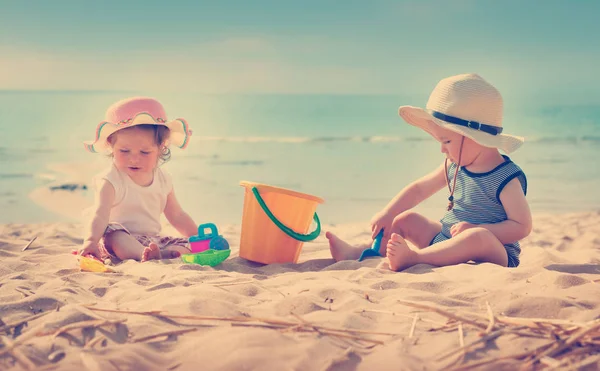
353	151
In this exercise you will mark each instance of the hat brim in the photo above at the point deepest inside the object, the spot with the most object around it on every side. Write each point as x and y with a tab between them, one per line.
179	136
420	118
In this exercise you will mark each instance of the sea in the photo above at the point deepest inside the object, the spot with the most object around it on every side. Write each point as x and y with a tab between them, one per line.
351	150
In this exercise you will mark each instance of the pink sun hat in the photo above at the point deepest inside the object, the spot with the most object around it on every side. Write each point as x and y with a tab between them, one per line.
137	111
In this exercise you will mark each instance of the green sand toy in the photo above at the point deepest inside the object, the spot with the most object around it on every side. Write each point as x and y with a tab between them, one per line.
207	248
208	257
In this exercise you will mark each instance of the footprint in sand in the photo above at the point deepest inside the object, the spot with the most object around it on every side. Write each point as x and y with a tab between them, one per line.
564	281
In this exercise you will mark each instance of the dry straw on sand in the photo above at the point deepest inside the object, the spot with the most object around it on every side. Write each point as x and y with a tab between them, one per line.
568	344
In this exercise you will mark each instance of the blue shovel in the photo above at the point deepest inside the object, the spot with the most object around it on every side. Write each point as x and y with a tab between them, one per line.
374	250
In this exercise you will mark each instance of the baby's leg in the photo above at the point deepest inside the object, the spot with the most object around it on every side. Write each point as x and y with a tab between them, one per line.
174	247
175	251
342	250
125	246
413	226
476	244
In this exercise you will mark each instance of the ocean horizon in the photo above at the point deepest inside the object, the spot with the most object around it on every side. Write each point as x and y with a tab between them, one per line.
352	150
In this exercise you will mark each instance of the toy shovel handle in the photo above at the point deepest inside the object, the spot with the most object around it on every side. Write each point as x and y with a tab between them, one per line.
377	241
203	227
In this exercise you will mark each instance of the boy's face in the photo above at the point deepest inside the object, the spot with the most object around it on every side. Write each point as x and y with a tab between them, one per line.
450	145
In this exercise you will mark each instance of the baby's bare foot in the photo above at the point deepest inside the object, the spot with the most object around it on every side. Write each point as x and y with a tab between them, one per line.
400	256
170	254
152	252
384	264
341	250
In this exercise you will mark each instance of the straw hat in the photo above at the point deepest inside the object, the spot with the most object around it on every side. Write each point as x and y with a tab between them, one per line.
137	111
467	105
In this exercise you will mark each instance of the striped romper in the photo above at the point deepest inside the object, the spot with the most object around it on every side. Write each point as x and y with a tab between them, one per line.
477	201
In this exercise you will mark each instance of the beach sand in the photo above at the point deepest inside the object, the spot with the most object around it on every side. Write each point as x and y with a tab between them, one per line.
559	278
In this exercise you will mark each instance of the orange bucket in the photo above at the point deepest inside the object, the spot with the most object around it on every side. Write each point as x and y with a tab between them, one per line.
275	223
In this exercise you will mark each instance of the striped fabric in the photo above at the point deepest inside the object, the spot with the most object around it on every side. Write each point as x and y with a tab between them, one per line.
477	200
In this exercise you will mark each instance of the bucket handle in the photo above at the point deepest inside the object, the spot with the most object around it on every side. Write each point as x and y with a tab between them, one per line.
298	236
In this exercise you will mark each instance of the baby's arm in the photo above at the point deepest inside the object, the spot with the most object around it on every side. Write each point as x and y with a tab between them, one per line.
417	192
519	224
179	218
412	195
104	200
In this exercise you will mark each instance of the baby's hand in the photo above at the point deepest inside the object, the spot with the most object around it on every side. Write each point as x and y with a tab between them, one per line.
460	227
381	220
89	248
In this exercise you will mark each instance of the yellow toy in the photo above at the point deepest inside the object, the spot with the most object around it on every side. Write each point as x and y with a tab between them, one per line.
91	264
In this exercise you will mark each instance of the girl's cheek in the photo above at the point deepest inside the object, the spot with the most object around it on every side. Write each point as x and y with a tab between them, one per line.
121	156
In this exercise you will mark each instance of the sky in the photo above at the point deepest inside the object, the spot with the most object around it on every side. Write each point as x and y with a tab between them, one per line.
526	48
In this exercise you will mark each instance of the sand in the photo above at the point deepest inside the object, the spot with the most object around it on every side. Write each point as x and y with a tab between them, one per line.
559	278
